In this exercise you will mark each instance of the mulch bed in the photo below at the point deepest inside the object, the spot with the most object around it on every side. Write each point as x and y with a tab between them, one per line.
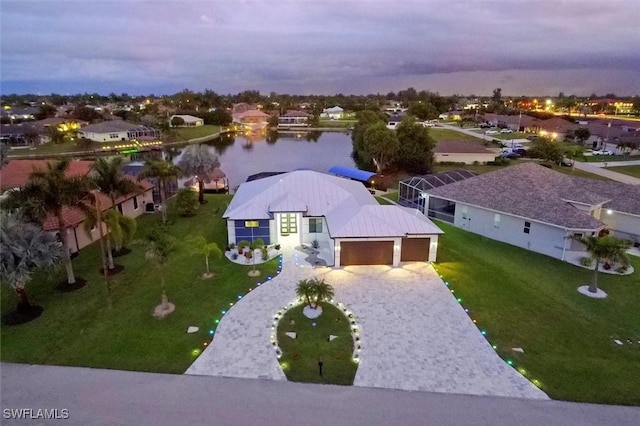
122	252
65	287
23	316
116	270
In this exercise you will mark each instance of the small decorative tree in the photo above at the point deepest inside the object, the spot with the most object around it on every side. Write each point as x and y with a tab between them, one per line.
258	243
323	291
306	290
159	246
242	244
202	247
604	248
314	291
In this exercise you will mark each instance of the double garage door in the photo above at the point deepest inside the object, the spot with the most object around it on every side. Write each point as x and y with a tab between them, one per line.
381	252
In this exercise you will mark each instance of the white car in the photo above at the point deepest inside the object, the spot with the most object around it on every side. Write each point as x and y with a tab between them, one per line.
506	131
491	132
602	152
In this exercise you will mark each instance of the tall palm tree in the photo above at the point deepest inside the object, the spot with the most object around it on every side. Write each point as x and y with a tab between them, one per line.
122	229
199	162
604	248
50	191
162	171
24	246
108	178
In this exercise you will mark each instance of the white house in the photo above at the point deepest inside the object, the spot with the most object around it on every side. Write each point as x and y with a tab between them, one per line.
189	120
351	228
533	207
117	130
334	113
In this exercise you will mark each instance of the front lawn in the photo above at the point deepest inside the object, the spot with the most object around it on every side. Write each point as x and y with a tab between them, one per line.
439	135
527	300
300	356
607	158
76	329
627	170
188	133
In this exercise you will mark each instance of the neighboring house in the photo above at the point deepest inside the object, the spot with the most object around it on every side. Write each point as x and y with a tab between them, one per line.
189	121
20	113
394	120
251	118
294	119
303	206
134	168
241	107
517	123
62	124
115	131
462	152
16	174
19	135
334	113
533	207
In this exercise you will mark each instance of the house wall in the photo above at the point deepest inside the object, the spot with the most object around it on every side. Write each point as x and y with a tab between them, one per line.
128	206
106	137
467	158
542	238
624	225
308	237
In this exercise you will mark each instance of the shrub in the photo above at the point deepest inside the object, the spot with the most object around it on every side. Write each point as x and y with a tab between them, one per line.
234	256
264	251
622	269
586	261
187	202
315	244
277	246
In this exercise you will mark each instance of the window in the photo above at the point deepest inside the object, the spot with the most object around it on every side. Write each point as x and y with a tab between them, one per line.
135	203
288	224
113	136
463	211
251	224
527	227
120	208
315	226
496	220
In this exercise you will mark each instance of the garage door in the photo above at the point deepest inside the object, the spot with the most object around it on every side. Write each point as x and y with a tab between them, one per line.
366	253
415	249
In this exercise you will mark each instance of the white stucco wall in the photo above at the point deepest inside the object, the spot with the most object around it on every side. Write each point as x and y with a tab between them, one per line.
623	224
542	238
105	137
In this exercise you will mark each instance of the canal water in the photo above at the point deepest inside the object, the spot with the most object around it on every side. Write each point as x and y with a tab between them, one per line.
242	156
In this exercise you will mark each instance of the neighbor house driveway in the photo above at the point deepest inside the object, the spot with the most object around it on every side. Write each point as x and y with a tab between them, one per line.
415	336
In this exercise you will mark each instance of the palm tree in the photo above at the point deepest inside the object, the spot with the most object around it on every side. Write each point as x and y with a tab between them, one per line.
199	162
162	171
202	247
322	291
24	247
159	246
110	180
50	192
306	290
122	230
255	244
604	248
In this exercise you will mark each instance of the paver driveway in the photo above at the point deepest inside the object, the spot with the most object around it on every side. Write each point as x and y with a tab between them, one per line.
414	334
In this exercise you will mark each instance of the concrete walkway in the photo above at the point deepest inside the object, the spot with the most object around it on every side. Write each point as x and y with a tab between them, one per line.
415	336
111	397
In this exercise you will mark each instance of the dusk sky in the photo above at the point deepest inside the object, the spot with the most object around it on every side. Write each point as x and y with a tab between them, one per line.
532	47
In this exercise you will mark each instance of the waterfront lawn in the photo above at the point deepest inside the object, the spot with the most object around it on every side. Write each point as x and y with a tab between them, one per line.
343	123
627	170
527	300
187	133
300	356
76	329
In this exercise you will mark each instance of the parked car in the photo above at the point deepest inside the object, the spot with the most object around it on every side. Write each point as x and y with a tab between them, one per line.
506	131
566	162
485	126
532	137
510	155
521	151
491	132
602	152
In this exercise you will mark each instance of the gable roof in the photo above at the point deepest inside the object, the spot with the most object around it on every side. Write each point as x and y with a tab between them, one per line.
111	126
532	191
348	207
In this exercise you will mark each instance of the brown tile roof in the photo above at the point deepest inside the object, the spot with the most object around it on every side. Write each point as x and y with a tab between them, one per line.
531	191
557	124
460	147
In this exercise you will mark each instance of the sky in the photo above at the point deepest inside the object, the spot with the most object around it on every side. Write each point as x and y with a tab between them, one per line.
525	47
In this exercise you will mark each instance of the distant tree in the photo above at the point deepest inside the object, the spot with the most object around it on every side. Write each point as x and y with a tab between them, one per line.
273	120
605	248
380	146
497	95
86	114
45	111
627	146
423	110
24	247
582	134
186	202
55	135
416	147
177	122
218	117
547	150
4	154
199	162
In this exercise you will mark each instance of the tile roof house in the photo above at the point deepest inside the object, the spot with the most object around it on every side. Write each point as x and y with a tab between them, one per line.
303	206
533	207
16	173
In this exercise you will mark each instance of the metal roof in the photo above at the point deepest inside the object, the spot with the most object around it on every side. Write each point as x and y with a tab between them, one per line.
351	173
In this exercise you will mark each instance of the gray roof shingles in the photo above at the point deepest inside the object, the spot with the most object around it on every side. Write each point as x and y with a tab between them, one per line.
536	192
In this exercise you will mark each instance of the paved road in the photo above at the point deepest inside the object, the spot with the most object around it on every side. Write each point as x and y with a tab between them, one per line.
100	397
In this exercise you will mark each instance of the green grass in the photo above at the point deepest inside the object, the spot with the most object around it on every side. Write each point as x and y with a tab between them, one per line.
508	136
627	170
451	135
485	168
383	202
607	158
76	329
300	356
343	124
523	299
186	133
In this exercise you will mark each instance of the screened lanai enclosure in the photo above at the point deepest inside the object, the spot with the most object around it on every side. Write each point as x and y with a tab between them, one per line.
413	192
